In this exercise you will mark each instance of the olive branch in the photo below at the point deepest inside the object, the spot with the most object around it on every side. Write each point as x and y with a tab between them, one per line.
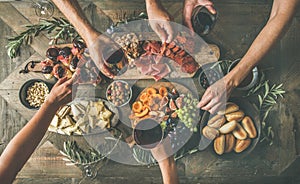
267	98
74	155
56	28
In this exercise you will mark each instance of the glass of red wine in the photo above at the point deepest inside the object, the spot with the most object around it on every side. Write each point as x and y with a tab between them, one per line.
203	20
148	133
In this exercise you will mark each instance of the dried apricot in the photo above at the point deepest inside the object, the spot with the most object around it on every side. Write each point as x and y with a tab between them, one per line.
144	97
143	113
137	107
163	91
151	91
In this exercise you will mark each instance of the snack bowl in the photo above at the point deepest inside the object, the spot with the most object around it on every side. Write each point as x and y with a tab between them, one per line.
32	88
209	75
249	110
251	79
119	93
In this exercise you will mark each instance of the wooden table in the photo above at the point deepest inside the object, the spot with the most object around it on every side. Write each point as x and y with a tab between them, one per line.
277	163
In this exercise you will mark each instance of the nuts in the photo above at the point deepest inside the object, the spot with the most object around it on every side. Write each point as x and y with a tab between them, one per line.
130	45
37	94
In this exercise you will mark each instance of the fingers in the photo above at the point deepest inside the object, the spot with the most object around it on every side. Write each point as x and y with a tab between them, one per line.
61	80
107	72
187	17
160	32
169	31
211	9
206	98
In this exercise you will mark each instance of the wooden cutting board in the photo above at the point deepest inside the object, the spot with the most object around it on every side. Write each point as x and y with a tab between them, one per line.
207	54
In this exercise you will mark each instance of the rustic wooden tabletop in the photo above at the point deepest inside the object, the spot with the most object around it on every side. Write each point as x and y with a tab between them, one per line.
237	25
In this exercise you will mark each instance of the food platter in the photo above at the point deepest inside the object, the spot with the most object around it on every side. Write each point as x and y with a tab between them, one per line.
153	59
172	88
249	110
179	117
85	116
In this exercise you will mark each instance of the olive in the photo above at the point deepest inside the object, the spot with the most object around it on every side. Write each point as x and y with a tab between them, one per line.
79	44
74	62
60	71
65	52
47	69
52	53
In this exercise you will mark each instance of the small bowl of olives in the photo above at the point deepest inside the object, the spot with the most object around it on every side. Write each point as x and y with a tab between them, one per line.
208	76
119	93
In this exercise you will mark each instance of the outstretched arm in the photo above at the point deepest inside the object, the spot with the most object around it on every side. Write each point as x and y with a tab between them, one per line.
24	143
163	153
159	20
281	14
95	40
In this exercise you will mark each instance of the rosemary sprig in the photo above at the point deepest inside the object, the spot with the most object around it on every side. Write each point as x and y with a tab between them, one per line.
267	101
56	28
74	155
267	98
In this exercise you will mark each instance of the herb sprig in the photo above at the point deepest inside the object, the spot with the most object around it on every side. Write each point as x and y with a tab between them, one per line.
267	98
56	28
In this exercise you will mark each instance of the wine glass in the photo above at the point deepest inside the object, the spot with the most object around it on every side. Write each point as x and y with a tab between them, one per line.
43	8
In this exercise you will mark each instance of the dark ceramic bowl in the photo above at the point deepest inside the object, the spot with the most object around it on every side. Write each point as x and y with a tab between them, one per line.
250	111
24	89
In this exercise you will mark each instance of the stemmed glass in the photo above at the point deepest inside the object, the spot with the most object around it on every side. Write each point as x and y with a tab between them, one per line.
43	8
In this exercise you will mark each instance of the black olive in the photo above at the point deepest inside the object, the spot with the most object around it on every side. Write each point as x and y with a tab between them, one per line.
65	52
79	44
60	71
52	53
47	69
74	62
172	95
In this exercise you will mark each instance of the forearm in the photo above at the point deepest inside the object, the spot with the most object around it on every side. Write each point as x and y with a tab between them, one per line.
152	5
266	39
169	170
75	15
24	143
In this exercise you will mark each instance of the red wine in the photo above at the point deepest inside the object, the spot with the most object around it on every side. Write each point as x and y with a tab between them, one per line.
115	60
148	133
202	20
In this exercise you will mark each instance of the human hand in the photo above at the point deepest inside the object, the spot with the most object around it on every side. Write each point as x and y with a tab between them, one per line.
216	95
188	8
96	50
62	91
159	20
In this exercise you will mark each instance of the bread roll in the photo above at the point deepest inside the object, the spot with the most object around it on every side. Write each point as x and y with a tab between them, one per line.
219	144
210	133
238	116
228	127
229	143
230	107
239	132
241	145
218	122
249	127
214	118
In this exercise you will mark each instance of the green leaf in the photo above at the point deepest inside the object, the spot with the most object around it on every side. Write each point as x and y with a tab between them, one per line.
260	100
279	86
267	88
263	124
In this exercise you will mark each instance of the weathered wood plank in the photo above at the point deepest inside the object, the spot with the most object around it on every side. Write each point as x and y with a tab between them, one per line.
17	21
46	161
